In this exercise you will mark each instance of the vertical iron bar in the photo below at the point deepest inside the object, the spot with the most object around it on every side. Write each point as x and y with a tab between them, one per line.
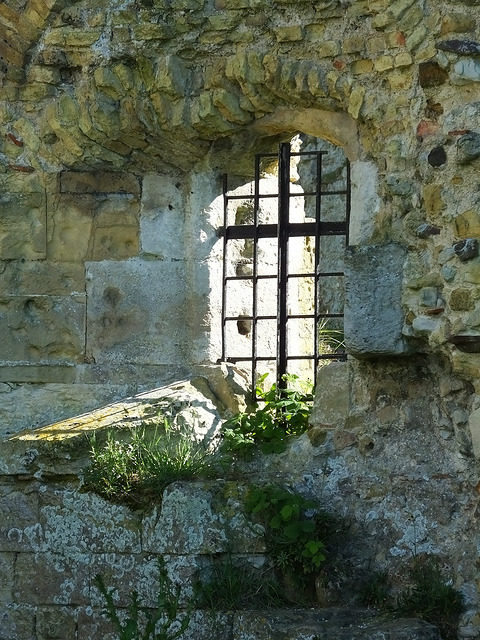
283	220
224	267
256	207
318	214
348	204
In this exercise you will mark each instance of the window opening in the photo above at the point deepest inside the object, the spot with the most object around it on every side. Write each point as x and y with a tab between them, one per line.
283	267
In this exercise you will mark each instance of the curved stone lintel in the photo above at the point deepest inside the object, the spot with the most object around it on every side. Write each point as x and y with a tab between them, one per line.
335	126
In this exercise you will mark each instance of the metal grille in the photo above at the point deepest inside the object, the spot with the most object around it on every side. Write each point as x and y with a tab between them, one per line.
283	229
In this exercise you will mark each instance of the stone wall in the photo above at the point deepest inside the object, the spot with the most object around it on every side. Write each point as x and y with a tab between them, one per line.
118	119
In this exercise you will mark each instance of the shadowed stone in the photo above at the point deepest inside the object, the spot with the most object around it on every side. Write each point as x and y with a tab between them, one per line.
466	249
373	312
468	147
461	47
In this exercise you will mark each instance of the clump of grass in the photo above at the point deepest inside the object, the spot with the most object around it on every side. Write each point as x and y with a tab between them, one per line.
230	586
135	470
431	597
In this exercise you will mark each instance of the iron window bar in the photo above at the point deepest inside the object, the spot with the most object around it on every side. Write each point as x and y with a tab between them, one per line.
283	230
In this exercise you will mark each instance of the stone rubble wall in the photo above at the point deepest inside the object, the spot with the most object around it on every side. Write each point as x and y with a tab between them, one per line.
117	120
55	537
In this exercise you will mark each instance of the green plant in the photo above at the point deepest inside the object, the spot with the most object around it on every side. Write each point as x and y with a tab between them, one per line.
283	413
331	340
143	623
137	469
431	597
297	533
374	590
230	585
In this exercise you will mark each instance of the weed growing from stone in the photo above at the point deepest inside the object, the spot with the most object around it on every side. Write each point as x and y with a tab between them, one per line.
297	533
431	597
281	414
136	470
230	586
143	623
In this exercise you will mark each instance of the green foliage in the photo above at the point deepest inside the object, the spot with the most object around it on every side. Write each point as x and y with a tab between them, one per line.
331	340
431	597
296	532
142	623
282	413
374	591
230	586
136	470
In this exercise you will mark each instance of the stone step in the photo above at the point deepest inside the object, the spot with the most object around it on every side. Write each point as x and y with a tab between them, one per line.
327	624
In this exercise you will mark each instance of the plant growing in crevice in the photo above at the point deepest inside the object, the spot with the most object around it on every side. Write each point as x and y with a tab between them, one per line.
144	623
135	470
281	414
230	584
298	534
430	596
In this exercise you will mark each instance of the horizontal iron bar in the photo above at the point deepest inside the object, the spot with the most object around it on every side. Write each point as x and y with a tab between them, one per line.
309	153
331	356
258	277
330	315
293	194
325	274
250	359
338	192
245	317
252	197
295	230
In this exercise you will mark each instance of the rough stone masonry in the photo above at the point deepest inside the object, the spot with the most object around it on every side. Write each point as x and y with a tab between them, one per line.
117	119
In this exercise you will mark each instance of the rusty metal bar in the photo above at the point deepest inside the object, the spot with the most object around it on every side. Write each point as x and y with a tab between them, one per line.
224	268
283	224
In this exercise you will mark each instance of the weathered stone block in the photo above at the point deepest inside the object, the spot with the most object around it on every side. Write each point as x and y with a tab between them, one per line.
467	224
53	579
19	526
54	623
76	524
124	324
70	230
42	328
162	216
201	518
22	226
7	563
334	624
45	403
20	278
99	182
332	395
17	621
373	311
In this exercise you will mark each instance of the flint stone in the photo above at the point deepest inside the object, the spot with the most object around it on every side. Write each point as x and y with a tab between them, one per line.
468	147
425	230
373	311
461	47
465	71
437	157
466	249
431	74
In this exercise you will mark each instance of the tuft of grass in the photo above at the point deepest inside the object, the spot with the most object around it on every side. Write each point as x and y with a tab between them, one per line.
136	470
431	597
375	590
230	586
